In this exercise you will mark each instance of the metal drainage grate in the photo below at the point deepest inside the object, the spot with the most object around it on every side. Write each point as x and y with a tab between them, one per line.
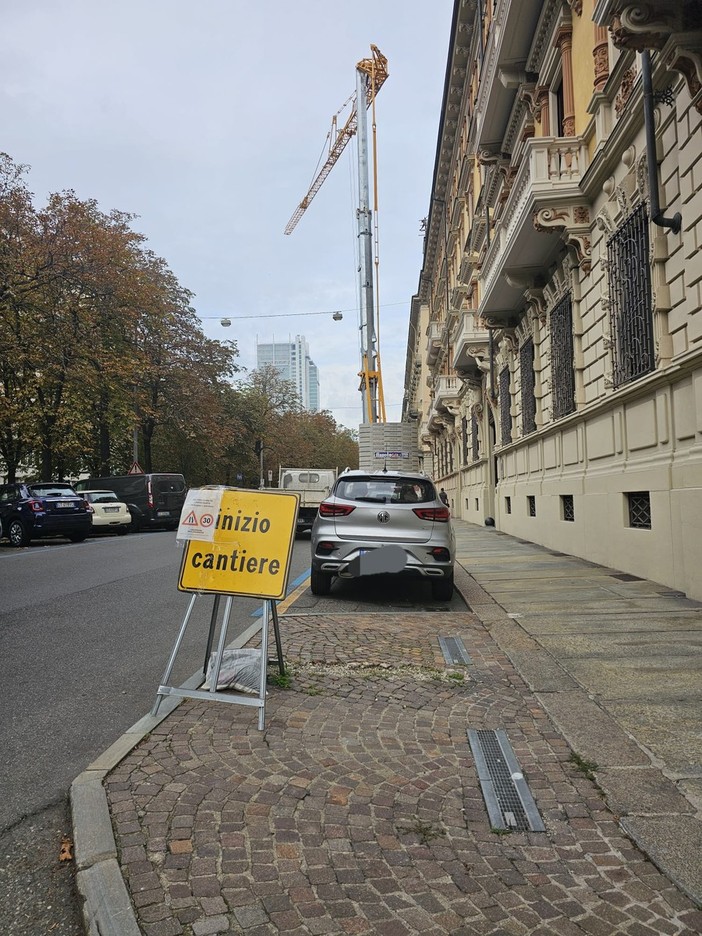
454	651
627	577
509	802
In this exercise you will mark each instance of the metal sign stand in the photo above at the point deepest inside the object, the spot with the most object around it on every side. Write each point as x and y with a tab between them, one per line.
259	702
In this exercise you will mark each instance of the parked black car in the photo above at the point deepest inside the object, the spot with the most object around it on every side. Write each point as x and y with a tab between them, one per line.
33	510
154	499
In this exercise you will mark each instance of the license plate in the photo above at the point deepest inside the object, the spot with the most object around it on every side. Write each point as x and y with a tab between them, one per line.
64	503
111	509
163	513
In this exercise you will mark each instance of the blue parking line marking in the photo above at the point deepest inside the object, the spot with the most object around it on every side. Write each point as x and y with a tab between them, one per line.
291	588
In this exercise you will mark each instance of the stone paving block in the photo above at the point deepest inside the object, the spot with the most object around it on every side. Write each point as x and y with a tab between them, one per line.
359	804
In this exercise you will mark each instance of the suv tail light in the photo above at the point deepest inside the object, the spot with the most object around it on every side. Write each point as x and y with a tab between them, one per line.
36	505
327	509
439	514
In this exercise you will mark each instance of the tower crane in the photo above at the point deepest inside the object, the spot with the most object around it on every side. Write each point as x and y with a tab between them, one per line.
371	74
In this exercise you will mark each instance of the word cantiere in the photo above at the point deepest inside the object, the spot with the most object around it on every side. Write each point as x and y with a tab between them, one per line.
235	561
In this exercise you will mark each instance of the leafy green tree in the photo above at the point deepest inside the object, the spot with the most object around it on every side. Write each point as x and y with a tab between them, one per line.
19	272
99	344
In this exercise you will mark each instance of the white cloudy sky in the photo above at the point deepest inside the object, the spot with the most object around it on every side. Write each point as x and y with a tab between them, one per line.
207	118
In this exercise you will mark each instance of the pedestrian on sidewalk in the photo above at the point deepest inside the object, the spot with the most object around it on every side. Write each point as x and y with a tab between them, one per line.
443	497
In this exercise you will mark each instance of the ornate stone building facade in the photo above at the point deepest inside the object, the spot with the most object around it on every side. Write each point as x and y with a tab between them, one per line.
554	359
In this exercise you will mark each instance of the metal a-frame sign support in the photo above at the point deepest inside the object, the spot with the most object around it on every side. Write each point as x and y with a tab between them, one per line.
165	689
237	542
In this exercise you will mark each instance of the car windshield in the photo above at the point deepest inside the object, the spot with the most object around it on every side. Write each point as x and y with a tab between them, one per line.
52	490
386	490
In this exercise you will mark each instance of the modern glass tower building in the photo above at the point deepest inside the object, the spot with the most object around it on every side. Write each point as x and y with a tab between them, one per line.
292	360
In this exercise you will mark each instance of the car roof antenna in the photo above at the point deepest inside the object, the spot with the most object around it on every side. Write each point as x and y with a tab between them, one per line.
385	466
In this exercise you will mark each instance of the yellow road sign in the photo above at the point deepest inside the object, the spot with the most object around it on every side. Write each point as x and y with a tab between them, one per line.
254	533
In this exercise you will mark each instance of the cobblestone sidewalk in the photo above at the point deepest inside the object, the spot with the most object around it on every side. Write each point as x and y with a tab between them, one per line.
358	809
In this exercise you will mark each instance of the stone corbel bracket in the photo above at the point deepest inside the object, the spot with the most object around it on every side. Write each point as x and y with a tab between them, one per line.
683	53
673	29
574	222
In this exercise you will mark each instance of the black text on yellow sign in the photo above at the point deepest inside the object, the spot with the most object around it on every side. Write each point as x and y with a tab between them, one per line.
254	535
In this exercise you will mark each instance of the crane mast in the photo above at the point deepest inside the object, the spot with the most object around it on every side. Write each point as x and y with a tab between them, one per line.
371	73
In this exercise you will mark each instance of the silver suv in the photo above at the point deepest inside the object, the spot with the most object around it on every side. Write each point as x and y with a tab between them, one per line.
383	521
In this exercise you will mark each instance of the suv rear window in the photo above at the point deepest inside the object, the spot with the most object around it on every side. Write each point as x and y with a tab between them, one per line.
386	490
51	490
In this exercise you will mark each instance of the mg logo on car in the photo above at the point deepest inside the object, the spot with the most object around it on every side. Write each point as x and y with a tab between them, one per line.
383	516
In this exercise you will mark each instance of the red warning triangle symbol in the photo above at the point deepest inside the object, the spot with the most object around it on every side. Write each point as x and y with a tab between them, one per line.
191	519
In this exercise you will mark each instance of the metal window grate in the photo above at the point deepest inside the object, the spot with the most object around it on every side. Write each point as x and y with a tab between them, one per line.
568	507
639	509
508	799
505	408
562	372
526	372
531	505
630	291
454	651
475	446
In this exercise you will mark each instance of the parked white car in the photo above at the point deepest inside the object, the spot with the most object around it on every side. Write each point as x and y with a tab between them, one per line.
110	515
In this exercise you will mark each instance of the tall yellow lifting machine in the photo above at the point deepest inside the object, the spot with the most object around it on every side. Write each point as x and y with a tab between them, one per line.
370	76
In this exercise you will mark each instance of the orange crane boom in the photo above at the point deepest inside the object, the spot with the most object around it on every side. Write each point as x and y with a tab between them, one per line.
377	70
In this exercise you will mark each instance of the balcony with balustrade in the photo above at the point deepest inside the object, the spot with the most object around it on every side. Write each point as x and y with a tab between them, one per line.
436	332
470	340
545	208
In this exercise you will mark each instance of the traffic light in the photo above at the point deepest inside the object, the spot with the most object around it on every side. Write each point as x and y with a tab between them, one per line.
258	447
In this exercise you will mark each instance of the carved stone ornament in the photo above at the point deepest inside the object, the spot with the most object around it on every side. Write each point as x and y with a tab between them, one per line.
507	345
601	56
488	158
625	89
645	25
576	6
524	331
537	304
604	222
664	25
528	95
685	56
576	231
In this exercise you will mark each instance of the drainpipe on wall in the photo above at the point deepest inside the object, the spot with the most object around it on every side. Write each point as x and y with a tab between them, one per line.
491	351
657	217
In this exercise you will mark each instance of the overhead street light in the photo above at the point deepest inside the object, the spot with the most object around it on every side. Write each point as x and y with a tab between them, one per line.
226	322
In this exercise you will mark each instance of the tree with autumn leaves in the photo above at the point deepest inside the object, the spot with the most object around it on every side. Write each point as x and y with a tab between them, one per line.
99	340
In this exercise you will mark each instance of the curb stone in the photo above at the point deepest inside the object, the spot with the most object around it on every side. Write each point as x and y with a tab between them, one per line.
107	908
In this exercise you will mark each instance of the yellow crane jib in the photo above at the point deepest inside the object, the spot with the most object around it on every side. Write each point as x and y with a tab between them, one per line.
376	68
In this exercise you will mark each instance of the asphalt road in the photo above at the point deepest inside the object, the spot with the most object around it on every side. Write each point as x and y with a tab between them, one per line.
86	631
